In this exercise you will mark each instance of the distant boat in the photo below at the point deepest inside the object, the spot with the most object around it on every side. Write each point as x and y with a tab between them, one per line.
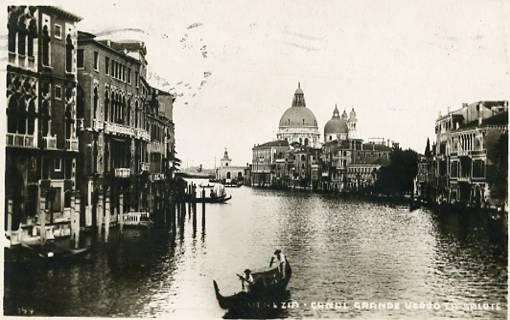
221	199
268	287
232	185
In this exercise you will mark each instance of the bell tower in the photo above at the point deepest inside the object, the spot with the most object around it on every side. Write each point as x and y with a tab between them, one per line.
225	161
352	124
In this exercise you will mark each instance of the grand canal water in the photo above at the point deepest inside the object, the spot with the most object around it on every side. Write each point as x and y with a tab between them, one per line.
347	251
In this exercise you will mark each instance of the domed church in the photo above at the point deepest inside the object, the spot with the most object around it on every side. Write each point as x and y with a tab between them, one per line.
340	128
298	123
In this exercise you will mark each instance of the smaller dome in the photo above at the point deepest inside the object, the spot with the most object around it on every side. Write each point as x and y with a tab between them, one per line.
336	125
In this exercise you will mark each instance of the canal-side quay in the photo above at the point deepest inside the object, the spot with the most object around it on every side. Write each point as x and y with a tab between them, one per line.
375	252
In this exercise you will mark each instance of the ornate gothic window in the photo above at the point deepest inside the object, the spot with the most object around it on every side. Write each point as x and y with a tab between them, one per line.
32	34
22	36
31	116
106	106
12	110
12	34
45	118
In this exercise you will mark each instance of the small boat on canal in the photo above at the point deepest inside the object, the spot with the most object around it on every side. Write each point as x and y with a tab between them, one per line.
268	288
220	199
49	252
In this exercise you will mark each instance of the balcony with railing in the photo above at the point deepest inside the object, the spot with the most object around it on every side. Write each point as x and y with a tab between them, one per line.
97	125
21	140
50	142
118	129
143	134
122	172
72	144
145	166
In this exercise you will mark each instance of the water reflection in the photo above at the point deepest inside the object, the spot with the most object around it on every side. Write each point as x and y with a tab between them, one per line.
341	250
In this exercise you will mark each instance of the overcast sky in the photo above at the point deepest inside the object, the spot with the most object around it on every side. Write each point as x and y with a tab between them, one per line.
398	63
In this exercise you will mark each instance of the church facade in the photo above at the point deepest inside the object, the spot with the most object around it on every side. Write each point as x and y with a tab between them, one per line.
298	158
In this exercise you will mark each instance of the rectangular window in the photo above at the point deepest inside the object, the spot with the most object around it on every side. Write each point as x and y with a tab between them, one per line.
112	73
58	165
106	65
58	31
128	75
79	58
58	92
136	79
57	204
96	60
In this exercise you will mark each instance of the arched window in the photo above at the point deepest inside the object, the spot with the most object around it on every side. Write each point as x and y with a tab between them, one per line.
128	113
80	104
306	141
12	118
106	106
22	116
136	114
45	118
69	53
45	46
22	36
31	117
69	121
32	34
95	100
124	116
12	34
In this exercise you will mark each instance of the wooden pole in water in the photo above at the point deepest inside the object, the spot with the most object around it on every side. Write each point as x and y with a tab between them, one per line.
99	213
120	217
71	217
107	219
203	212
42	219
77	209
9	219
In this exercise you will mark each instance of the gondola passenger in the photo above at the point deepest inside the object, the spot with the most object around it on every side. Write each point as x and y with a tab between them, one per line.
280	260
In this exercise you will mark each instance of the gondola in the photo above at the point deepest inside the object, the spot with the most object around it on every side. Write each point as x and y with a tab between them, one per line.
50	253
268	289
221	199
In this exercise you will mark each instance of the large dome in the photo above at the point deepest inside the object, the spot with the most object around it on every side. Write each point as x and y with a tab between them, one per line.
336	125
298	116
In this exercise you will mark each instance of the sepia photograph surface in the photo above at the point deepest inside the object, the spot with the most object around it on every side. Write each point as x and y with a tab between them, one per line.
255	159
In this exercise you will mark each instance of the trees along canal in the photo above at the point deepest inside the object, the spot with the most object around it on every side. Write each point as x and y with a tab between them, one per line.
398	176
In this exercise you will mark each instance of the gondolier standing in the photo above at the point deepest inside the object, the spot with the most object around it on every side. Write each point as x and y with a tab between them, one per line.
248	278
280	259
